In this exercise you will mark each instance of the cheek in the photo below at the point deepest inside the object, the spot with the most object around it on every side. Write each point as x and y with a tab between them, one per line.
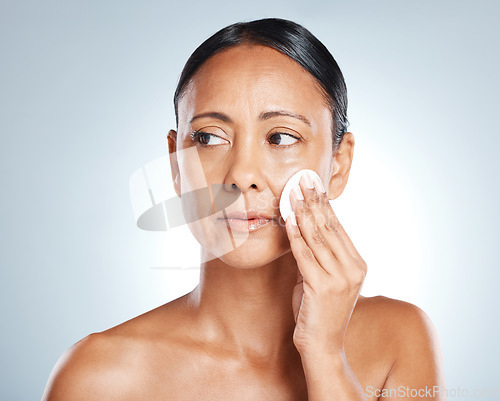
282	170
191	170
195	197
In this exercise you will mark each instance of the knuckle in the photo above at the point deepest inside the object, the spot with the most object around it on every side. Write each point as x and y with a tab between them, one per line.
318	238
315	199
364	267
360	264
358	276
307	253
305	209
324	200
331	224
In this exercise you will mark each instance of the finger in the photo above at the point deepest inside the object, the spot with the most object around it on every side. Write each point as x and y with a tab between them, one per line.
316	218
333	225
331	221
323	222
312	236
307	264
355	267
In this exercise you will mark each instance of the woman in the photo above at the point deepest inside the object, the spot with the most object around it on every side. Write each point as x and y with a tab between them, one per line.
277	314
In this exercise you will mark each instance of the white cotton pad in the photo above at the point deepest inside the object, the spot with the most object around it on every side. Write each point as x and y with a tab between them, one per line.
285	205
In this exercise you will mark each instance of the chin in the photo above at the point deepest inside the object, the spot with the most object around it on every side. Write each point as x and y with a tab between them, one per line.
245	250
249	256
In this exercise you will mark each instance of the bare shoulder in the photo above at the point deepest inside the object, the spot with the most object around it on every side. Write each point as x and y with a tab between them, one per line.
403	321
111	365
389	308
81	371
405	335
101	366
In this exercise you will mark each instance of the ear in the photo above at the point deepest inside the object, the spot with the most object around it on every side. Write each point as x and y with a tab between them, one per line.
342	160
174	166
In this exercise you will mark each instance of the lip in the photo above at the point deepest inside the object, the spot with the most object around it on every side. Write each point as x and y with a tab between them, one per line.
246	220
248	215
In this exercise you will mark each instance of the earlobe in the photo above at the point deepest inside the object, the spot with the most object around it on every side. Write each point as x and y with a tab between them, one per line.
335	187
174	166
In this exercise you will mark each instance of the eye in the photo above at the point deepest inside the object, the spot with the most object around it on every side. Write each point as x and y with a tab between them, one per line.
283	139
207	139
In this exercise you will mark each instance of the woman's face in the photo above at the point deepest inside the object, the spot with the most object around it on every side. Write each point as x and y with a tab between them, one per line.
249	119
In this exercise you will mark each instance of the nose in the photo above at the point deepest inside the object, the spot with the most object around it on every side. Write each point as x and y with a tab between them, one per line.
245	167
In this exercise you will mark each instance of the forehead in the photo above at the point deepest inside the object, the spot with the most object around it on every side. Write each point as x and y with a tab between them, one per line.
252	79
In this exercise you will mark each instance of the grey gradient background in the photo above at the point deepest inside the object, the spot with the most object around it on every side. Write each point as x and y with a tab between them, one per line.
85	92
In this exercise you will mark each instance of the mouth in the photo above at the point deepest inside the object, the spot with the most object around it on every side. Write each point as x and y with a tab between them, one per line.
246	221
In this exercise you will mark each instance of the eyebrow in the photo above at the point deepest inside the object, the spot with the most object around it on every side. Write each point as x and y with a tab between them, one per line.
263	116
212	114
270	114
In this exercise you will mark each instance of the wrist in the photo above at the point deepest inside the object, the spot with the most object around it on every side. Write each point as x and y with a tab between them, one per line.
324	359
317	349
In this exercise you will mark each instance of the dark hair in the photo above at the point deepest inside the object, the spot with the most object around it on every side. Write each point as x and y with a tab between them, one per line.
290	39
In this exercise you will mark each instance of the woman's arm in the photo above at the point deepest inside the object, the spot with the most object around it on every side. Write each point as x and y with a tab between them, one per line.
416	372
329	279
329	377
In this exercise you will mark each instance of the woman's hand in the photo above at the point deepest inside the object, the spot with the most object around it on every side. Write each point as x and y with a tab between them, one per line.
330	272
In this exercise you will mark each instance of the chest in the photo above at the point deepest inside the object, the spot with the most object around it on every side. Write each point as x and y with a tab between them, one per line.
195	377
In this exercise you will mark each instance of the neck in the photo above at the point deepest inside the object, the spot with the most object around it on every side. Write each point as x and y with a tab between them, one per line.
248	310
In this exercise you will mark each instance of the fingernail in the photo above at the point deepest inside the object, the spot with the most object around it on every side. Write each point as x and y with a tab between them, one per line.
298	192
318	185
308	181
292	218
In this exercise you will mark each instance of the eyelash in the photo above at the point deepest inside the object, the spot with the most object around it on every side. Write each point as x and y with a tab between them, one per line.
195	137
290	135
